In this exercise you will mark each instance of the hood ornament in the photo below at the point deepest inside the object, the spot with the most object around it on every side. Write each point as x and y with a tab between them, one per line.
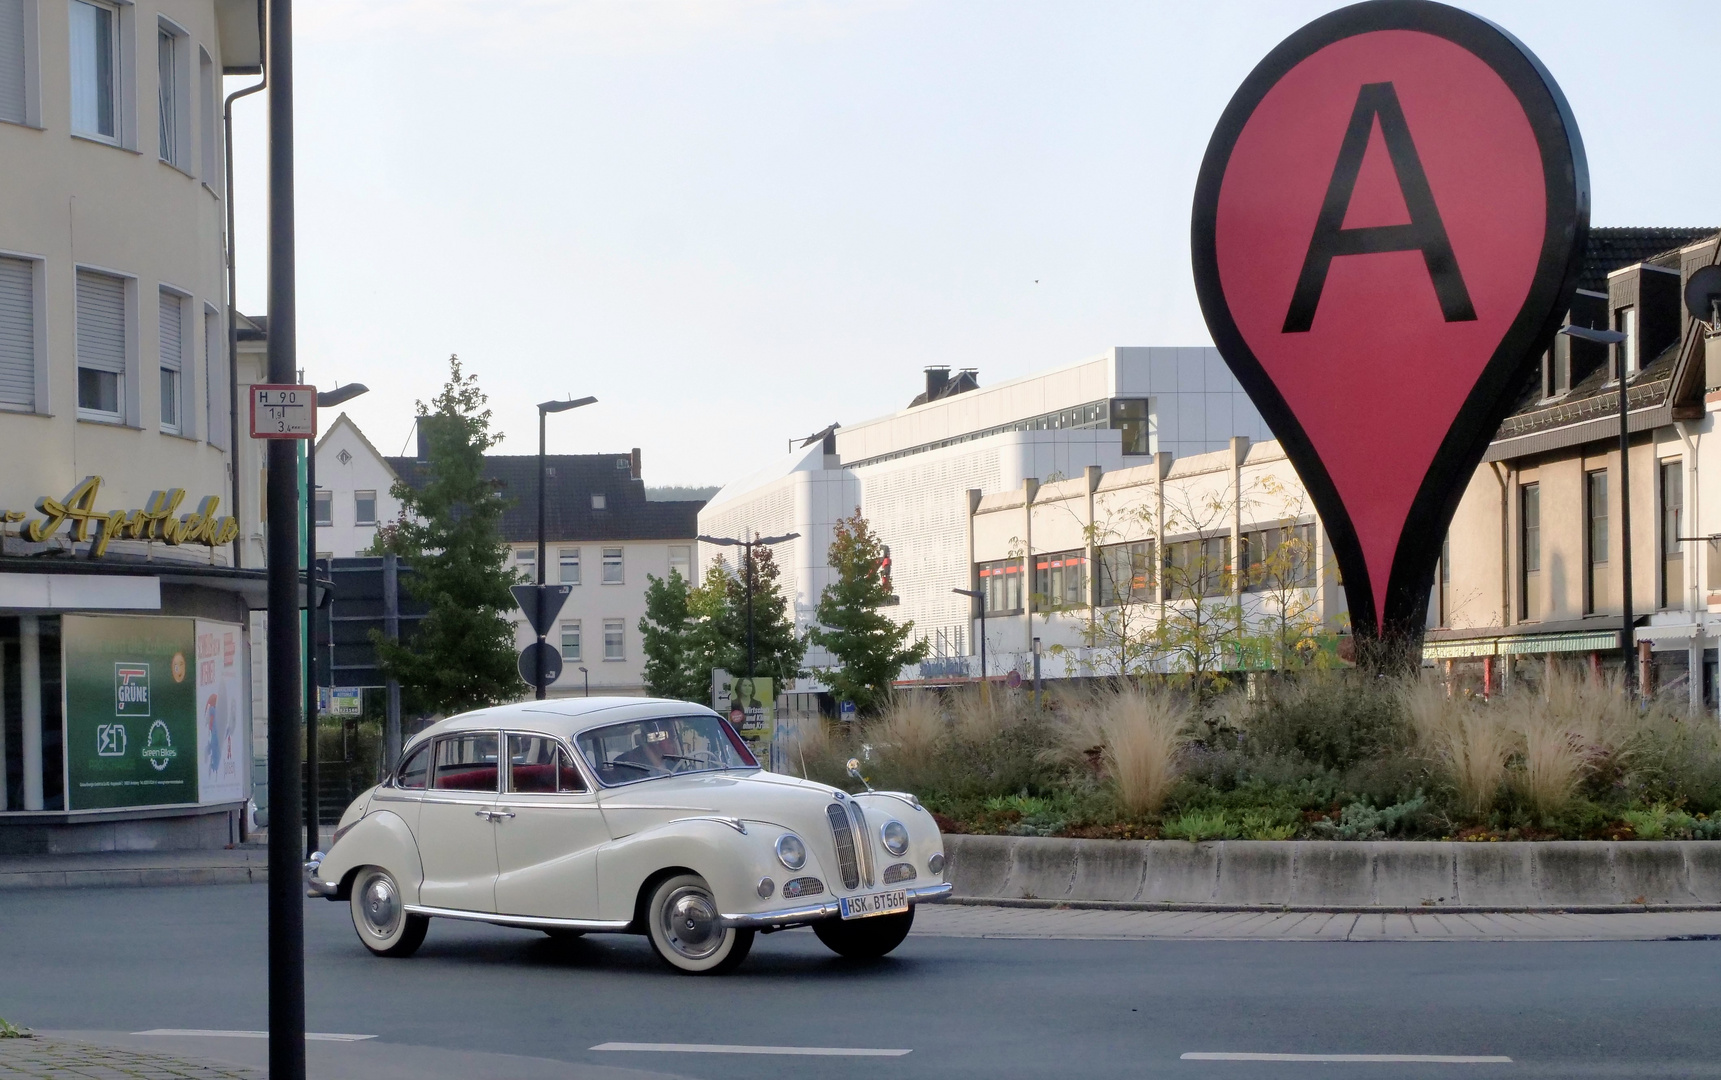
854	771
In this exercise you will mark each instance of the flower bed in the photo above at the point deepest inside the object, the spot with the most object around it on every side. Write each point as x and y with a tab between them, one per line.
1331	755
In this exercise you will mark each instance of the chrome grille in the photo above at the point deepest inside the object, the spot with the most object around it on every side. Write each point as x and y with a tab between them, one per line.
900	872
847	862
863	842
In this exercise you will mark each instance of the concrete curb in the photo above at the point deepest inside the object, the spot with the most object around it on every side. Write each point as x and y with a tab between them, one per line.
109	878
1337	876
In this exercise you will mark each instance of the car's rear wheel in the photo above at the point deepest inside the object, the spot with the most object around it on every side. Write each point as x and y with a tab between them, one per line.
865	939
380	915
686	930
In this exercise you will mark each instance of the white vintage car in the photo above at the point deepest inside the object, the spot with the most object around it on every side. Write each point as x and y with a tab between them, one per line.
624	815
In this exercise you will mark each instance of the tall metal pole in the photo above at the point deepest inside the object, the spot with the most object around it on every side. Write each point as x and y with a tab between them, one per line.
750	672
538	616
312	840
286	899
1627	632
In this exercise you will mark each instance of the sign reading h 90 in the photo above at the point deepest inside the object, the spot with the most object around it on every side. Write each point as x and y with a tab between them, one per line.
1387	230
283	412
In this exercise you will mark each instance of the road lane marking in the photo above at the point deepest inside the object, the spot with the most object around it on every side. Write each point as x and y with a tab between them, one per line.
720	1048
1420	1059
208	1033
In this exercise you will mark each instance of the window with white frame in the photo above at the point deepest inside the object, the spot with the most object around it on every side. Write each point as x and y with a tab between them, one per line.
169	86
614	646
95	65
598	501
101	346
15	46
17	334
569	560
209	111
571	641
364	507
172	361
526	561
681	560
215	403
325	508
612	566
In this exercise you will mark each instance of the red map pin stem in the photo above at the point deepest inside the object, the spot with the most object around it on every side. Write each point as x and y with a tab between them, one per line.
1387	231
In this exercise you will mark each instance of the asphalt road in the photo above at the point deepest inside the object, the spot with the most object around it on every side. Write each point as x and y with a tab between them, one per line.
128	960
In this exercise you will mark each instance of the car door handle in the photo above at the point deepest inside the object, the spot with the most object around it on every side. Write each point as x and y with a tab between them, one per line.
494	814
484	813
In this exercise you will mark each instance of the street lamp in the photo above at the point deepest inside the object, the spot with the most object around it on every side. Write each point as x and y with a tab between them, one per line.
747	579
544	409
325	399
980	595
587	676
1628	634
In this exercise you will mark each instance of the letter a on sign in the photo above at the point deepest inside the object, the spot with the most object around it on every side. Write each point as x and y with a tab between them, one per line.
1388	228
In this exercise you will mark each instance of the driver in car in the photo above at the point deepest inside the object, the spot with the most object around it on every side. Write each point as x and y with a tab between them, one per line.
658	750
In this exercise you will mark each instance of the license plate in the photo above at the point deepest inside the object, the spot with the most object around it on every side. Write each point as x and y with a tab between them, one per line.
878	903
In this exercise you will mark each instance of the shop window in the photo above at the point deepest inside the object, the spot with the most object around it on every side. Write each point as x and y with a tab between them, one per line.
1001	582
1126	573
1060	580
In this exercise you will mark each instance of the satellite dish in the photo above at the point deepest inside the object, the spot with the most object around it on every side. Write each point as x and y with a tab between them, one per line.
1703	294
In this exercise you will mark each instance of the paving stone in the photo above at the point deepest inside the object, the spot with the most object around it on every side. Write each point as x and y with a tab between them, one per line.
57	1059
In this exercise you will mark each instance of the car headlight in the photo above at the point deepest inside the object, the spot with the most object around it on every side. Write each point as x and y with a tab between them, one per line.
791	852
895	837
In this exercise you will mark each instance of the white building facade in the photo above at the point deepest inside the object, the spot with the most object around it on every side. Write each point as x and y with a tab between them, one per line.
124	595
910	473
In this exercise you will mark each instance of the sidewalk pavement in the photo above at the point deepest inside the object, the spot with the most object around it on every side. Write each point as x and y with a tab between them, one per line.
243	864
974	921
118	1055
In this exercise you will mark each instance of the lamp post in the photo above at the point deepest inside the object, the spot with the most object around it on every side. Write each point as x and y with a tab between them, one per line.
544	409
325	399
1627	632
587	677
980	595
747	575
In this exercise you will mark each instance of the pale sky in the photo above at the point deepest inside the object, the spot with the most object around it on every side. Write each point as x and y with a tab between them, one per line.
737	222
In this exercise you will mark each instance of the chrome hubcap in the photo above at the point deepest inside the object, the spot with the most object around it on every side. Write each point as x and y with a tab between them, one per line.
379	905
690	923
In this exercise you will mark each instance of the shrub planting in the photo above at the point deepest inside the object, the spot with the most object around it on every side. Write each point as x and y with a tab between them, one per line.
1328	755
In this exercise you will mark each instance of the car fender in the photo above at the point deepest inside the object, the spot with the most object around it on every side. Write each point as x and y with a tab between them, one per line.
730	861
380	839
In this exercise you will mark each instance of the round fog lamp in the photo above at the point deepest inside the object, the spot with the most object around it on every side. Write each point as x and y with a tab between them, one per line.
936	863
895	837
766	888
791	852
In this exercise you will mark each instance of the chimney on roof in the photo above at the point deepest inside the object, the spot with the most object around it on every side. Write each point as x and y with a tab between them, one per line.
636	463
423	440
936	378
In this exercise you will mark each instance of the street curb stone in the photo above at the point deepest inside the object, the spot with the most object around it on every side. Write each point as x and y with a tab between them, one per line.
1332	876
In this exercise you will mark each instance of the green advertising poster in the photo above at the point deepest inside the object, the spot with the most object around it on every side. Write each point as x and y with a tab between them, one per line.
131	711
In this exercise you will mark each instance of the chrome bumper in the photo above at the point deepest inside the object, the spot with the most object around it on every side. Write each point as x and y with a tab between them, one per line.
314	886
830	909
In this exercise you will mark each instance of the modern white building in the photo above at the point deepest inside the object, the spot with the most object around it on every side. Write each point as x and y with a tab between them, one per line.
910	472
124	591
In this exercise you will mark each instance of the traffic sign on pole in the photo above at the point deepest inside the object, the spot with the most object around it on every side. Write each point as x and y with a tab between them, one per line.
541	603
280	411
536	653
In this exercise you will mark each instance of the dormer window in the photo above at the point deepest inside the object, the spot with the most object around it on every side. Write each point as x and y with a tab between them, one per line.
1625	321
598	502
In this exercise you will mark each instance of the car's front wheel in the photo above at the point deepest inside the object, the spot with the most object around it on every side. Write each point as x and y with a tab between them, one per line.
865	939
686	929
380	915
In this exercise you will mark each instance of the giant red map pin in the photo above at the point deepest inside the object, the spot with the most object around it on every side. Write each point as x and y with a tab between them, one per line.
1387	232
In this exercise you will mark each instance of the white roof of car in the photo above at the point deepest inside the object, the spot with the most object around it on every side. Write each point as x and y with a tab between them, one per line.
564	717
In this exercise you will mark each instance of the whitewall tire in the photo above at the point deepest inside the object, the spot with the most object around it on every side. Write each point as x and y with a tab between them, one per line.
380	915
683	923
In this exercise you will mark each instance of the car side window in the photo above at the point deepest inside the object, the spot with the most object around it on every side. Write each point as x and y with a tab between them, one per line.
568	776
415	770
531	765
466	762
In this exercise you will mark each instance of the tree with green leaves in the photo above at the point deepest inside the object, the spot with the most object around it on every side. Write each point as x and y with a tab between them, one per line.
664	632
868	644
462	655
777	648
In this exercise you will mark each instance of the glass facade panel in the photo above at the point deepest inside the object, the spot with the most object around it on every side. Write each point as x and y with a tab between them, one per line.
1126	573
1060	580
1001	581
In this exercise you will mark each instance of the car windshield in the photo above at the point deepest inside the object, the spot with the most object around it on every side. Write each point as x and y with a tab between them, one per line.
663	746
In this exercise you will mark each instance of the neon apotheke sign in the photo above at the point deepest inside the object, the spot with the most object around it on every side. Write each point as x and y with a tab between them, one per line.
159	519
